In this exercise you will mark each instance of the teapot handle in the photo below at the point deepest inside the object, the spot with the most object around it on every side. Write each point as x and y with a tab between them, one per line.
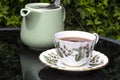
24	12
64	12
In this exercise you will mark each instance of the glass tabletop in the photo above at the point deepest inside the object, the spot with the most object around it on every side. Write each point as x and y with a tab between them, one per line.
34	69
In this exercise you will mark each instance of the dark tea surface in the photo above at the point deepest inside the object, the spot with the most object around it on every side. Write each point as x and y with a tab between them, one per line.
75	39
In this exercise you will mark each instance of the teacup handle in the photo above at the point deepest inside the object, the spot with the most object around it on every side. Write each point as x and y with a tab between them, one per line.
97	37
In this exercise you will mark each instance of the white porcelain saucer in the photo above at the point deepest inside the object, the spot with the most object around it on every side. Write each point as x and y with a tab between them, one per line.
52	59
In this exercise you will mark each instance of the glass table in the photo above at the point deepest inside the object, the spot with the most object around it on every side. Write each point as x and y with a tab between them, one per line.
33	69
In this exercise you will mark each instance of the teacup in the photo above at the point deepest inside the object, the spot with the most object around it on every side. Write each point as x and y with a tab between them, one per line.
75	47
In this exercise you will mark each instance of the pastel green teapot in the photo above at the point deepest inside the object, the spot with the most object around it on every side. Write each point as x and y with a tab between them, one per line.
40	24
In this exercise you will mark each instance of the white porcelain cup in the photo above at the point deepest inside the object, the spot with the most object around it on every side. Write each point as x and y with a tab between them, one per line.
75	47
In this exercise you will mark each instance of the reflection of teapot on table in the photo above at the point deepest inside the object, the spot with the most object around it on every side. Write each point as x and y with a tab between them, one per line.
40	24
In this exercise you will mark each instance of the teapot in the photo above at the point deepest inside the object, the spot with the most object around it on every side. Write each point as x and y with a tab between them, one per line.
40	24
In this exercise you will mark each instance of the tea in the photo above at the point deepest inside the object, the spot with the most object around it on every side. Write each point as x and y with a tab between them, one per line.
75	39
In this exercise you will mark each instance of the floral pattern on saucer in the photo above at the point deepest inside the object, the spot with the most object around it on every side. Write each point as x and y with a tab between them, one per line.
52	59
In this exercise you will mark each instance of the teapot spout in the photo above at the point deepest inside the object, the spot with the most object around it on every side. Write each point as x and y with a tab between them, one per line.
24	12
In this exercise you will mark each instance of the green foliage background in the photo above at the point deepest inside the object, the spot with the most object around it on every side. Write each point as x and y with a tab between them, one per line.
101	16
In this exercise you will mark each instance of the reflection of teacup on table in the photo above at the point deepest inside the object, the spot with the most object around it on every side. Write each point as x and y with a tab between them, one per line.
75	47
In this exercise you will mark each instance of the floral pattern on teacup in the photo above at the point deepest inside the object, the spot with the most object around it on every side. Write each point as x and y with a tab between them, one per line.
81	52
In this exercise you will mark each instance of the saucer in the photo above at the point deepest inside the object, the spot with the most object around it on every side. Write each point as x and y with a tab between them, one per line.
53	60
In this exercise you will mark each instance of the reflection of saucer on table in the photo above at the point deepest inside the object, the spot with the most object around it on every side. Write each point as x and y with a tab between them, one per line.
54	74
53	60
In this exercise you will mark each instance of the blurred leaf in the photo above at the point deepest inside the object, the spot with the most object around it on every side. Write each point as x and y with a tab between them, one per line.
96	21
105	2
89	22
